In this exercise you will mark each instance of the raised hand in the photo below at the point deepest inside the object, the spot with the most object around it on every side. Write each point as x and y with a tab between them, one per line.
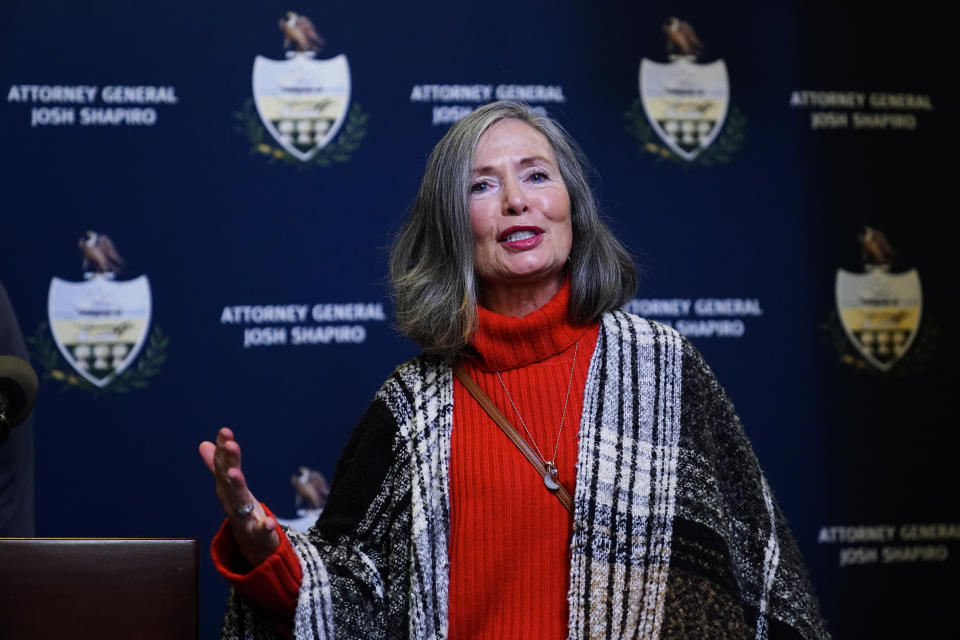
255	532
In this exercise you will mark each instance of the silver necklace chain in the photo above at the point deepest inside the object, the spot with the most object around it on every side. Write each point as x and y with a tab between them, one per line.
552	462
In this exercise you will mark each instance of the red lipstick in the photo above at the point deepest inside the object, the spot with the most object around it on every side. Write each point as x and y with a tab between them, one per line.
520	237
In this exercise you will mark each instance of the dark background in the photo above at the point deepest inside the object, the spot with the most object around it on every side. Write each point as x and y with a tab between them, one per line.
213	224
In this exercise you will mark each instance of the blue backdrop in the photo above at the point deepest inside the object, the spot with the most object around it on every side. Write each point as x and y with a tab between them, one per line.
140	122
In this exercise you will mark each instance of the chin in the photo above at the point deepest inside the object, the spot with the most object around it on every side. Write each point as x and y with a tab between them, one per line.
531	276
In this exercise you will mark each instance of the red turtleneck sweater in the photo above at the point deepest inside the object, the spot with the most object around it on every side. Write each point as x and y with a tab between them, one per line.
509	536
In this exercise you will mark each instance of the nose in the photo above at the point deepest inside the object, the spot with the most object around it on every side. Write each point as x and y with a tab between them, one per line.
514	199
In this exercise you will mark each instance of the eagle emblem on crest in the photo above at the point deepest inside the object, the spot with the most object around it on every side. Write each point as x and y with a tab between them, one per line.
684	105
301	110
100	325
879	309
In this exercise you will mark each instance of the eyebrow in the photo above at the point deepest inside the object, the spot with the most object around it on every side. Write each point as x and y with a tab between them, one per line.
524	162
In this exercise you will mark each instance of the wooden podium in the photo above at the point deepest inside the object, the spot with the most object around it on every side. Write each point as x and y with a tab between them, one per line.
98	588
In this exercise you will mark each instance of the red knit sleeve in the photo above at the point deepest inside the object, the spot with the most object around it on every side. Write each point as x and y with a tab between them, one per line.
273	585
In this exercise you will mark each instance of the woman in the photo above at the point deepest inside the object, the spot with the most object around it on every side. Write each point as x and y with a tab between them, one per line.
438	527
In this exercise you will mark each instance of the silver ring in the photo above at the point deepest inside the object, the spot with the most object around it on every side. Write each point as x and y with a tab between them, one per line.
245	510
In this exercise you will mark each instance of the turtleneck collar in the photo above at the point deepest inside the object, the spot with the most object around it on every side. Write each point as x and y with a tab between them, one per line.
505	342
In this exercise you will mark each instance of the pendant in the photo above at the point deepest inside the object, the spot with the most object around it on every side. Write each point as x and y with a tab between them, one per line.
550	477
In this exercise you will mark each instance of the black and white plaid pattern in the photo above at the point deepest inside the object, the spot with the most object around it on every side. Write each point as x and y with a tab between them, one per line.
675	533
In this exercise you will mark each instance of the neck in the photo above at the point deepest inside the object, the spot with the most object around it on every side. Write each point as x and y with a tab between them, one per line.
519	299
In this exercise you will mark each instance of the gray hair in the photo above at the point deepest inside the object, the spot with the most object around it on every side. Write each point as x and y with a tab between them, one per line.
431	262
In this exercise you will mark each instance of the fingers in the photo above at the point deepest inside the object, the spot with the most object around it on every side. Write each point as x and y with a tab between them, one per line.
223	456
223	461
255	531
224	435
206	450
228	451
235	495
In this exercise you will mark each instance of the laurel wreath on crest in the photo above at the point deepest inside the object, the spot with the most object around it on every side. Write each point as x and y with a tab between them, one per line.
921	352
147	366
338	150
719	152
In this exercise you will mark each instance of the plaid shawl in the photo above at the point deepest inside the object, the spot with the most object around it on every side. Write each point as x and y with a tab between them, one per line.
675	533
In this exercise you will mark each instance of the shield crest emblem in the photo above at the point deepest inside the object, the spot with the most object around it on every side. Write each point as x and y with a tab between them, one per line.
686	103
99	325
301	101
880	312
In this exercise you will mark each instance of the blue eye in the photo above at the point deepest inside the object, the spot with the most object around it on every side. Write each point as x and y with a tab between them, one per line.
539	176
478	187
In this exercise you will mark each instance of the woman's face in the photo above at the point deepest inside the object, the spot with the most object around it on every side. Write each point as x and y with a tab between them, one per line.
519	209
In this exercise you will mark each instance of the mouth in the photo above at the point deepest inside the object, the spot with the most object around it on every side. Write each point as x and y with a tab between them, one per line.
520	237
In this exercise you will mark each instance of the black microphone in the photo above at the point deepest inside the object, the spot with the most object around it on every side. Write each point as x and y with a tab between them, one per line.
18	391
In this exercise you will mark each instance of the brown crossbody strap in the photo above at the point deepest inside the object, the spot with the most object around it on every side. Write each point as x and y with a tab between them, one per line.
517	439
